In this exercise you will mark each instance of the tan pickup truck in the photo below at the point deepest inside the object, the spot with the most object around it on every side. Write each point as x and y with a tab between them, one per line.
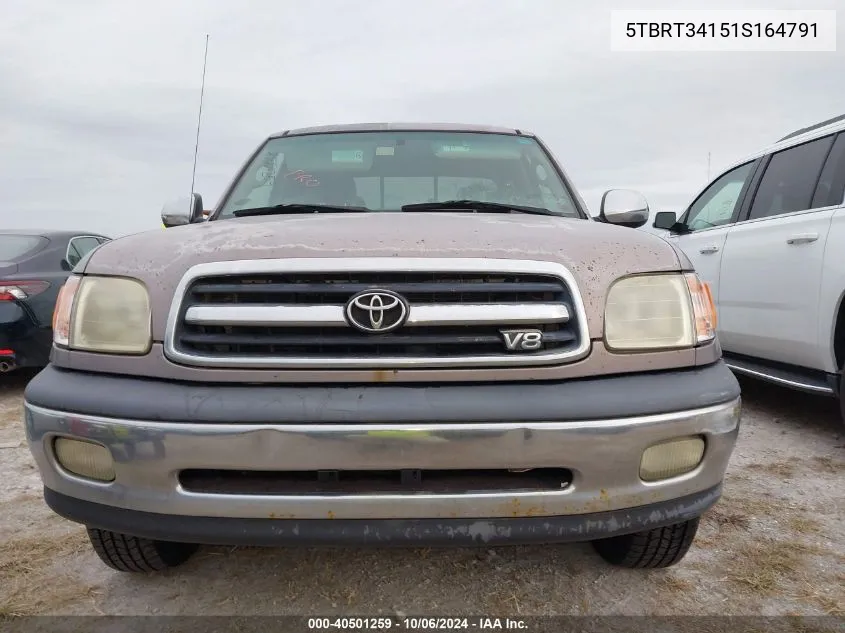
392	335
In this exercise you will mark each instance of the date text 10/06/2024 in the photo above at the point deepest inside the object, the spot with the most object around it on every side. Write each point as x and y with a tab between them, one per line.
417	624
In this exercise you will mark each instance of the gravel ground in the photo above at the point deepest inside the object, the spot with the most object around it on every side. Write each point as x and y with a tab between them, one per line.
774	545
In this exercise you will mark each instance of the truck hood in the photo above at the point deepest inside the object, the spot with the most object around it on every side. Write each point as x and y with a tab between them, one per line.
594	252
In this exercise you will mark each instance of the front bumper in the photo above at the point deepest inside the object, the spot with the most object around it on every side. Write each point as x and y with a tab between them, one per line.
382	532
383	428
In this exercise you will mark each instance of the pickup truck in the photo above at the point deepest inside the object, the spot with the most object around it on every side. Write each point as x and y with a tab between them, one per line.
387	334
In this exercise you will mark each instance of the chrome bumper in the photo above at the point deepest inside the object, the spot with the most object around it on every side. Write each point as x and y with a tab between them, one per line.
603	455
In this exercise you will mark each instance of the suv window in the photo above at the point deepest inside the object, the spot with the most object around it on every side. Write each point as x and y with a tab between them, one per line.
716	206
830	191
790	179
78	247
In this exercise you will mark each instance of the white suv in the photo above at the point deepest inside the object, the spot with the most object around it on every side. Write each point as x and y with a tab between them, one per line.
768	235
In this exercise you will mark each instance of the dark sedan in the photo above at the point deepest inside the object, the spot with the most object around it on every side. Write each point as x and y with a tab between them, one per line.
33	267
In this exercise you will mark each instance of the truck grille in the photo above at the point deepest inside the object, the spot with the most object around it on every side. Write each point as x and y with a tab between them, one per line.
301	319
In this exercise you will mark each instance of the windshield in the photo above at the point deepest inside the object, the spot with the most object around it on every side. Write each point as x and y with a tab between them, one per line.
14	247
382	171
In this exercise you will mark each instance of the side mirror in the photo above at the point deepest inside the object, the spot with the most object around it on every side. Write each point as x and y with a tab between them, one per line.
624	207
665	220
66	265
182	211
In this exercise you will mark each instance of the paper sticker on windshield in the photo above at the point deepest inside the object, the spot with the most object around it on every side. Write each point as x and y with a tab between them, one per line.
385	151
347	156
263	174
504	151
448	149
266	173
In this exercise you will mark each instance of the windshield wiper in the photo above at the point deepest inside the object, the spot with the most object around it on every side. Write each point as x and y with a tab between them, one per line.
476	205
295	207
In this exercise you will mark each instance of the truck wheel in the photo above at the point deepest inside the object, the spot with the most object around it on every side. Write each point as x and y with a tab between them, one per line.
130	553
660	547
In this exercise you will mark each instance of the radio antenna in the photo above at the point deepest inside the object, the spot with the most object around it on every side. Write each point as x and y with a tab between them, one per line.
199	121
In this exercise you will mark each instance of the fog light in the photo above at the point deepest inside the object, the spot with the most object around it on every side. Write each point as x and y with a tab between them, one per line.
85	459
672	458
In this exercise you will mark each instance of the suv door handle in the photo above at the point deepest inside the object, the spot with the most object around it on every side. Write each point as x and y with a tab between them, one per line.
803	238
707	250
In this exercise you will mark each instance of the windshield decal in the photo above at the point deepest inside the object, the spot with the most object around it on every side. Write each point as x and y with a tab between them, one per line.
303	178
347	156
454	148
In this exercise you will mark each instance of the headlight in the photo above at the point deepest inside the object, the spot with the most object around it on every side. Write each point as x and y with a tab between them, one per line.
103	314
667	311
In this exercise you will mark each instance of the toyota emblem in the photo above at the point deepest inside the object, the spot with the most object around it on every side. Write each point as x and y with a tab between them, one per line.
376	311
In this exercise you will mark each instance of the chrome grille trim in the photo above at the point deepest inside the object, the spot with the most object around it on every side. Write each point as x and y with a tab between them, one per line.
344	265
487	314
421	315
290	315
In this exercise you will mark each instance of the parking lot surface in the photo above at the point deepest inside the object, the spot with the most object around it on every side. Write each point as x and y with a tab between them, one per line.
775	544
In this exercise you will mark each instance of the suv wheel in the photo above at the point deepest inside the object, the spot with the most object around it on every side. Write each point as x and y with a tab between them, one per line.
131	553
660	547
842	392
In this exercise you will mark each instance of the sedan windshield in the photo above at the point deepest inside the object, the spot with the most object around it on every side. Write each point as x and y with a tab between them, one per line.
385	171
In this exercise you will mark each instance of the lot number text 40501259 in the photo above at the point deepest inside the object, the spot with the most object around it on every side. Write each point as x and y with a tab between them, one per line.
416	624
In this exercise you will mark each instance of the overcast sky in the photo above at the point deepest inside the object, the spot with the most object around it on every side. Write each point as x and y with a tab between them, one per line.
98	98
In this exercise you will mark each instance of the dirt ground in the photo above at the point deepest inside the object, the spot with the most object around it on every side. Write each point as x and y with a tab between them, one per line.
774	545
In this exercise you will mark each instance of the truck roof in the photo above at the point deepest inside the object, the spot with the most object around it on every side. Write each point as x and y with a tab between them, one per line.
403	127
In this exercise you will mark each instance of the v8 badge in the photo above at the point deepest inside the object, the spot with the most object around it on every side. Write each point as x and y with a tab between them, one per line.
522	340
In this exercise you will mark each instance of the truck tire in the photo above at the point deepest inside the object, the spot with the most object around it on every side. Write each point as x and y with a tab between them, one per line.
660	547
131	553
